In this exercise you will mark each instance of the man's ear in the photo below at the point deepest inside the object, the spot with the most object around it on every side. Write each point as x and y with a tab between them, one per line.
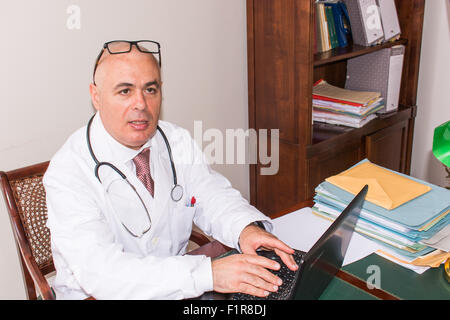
95	97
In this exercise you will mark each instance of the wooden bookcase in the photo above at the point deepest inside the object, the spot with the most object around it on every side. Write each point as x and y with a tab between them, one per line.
282	68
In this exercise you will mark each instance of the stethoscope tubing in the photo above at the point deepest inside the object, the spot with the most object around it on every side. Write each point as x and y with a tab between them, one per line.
98	164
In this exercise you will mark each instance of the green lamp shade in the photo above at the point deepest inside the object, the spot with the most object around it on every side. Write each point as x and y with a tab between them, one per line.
441	143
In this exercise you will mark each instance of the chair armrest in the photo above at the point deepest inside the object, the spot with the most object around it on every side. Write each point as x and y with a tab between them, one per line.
199	238
212	249
37	277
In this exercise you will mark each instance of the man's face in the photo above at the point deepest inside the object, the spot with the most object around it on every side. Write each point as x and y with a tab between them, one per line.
128	96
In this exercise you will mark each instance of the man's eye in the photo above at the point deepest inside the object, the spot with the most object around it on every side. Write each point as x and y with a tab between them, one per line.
124	91
151	90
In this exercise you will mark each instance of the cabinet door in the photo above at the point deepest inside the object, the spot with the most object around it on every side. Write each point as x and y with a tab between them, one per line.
387	147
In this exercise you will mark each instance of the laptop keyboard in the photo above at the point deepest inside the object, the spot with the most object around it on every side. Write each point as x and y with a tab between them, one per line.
285	291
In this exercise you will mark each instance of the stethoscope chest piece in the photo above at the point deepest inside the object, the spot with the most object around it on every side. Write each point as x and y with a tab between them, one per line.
176	193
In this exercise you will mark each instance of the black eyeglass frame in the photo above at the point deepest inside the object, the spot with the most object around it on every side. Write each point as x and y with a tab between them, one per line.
131	43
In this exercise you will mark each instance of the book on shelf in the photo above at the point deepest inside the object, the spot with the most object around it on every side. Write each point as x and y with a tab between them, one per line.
332	25
341	21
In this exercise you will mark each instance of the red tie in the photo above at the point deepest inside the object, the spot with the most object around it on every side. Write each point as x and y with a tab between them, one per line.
142	163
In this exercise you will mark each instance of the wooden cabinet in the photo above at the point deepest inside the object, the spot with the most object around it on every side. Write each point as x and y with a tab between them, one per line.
387	147
282	68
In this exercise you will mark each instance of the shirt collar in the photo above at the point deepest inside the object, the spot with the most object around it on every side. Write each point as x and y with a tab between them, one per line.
117	151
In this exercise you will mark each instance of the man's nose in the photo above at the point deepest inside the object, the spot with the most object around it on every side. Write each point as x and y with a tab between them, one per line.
140	103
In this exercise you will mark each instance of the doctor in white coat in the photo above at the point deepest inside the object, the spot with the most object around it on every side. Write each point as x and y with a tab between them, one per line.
111	237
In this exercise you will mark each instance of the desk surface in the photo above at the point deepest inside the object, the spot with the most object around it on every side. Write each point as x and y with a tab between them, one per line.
396	282
401	282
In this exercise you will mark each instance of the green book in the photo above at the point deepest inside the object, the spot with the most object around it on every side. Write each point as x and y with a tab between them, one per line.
331	27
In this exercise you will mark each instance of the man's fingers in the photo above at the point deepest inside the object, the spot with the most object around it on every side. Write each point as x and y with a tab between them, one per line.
264	274
287	259
283	251
252	290
262	261
258	274
261	282
280	245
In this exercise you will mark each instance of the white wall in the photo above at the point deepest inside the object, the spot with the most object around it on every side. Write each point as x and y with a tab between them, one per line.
433	93
46	69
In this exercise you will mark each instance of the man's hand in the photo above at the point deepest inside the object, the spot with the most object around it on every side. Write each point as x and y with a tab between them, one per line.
245	273
253	237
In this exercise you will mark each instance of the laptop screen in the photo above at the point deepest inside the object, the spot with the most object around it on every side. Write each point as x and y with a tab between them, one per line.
325	258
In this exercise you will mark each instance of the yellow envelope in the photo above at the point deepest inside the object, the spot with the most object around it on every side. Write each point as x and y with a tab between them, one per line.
433	259
386	189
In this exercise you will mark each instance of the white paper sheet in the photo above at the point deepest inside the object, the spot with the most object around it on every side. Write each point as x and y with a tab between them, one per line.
301	229
440	240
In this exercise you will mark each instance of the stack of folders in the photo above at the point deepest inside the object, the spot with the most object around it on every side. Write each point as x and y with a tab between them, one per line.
401	213
332	25
346	107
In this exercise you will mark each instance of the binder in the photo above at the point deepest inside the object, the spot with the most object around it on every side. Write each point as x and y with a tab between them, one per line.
331	27
380	71
341	22
389	19
365	22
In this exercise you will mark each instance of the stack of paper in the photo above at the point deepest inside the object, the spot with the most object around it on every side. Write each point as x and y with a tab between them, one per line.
400	213
344	107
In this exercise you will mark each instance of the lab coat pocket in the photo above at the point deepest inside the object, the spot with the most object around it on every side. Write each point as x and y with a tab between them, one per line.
128	207
182	226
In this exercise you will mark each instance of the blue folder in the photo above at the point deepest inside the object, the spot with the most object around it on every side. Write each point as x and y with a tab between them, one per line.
413	214
410	234
339	14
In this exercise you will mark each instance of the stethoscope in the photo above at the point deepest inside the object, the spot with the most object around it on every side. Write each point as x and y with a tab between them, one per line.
177	191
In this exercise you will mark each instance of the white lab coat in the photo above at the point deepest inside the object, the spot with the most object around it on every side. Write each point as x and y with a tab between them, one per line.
93	253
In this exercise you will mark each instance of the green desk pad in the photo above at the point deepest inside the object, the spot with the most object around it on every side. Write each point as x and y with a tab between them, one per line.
396	280
340	290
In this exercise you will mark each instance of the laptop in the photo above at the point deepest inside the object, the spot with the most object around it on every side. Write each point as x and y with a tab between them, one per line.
319	265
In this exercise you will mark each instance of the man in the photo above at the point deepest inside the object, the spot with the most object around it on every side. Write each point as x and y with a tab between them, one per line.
118	231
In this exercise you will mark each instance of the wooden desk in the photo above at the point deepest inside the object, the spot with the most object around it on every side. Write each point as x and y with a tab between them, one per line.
212	249
350	282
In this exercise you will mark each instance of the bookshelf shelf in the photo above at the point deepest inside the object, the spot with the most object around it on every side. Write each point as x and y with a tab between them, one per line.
282	69
325	135
350	51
